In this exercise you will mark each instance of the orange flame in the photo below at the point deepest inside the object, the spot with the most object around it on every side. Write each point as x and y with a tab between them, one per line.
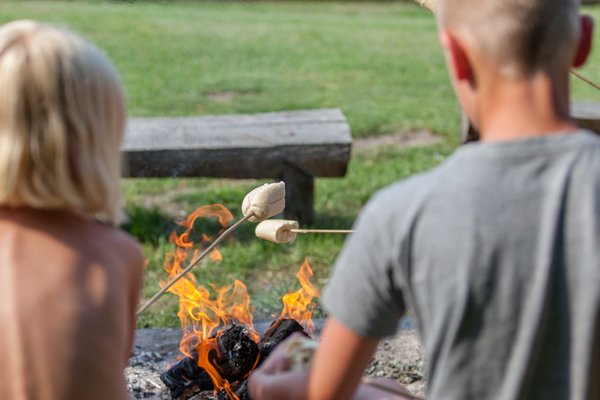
297	305
205	349
202	313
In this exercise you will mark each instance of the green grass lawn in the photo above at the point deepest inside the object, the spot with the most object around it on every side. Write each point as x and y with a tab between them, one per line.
379	62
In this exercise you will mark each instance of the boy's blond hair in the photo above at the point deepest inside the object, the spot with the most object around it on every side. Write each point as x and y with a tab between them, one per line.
521	37
62	116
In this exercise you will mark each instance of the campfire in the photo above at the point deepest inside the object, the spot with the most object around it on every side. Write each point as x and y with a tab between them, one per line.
220	347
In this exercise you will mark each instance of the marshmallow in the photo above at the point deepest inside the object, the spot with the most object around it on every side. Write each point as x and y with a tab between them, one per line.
264	201
300	351
429	4
277	230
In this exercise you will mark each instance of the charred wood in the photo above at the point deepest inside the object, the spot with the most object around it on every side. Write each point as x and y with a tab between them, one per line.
280	329
185	378
240	389
237	353
236	356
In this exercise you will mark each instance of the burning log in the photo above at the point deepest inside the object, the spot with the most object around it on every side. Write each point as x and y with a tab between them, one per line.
238	353
240	391
234	359
185	378
280	329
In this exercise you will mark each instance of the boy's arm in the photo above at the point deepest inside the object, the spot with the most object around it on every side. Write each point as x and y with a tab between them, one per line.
338	365
339	362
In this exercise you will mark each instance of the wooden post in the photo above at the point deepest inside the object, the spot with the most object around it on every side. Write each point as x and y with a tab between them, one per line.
299	194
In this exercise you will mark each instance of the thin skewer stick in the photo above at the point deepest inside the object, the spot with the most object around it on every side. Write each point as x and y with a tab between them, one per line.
346	231
207	251
390	388
586	80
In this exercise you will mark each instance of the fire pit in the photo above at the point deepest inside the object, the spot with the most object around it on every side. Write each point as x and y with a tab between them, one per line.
220	345
156	350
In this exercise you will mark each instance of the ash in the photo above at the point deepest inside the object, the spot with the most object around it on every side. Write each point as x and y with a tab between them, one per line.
155	350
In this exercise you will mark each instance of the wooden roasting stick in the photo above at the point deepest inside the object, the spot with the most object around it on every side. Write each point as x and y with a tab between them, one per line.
429	4
341	231
261	203
583	78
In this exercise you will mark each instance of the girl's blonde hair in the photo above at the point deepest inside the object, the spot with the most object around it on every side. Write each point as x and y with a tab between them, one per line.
62	116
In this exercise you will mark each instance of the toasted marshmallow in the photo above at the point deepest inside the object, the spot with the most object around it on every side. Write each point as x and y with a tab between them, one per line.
429	4
265	201
300	351
277	230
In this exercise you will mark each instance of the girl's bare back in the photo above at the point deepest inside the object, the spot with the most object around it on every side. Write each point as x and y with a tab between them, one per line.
68	293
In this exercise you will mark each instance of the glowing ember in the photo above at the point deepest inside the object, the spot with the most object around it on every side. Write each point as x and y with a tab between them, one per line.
297	305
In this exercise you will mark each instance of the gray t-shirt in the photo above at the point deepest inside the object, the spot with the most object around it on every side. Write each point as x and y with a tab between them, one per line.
497	254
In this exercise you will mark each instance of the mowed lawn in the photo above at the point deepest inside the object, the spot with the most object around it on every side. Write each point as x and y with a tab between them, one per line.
379	62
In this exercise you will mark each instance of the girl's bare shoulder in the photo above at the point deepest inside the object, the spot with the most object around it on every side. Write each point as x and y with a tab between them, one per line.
62	230
120	242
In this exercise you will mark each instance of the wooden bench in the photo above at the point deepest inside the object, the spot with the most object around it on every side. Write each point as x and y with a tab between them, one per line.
291	146
586	115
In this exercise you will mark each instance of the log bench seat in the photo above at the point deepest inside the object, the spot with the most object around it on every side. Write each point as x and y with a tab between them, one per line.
293	146
587	115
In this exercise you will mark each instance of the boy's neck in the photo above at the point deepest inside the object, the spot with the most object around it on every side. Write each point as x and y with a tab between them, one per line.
520	108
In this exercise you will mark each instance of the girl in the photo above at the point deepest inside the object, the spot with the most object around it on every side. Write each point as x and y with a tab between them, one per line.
69	280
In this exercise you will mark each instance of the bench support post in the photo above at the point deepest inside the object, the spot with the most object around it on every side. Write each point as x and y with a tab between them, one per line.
299	194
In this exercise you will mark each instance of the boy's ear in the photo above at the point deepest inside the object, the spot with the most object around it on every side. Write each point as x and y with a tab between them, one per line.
585	41
458	60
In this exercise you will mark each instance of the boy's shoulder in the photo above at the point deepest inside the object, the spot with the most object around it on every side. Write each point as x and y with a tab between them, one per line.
415	188
480	166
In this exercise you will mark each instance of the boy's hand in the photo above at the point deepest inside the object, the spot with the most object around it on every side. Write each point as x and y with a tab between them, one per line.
274	381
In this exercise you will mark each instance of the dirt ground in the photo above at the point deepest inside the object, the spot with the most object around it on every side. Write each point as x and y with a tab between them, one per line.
399	358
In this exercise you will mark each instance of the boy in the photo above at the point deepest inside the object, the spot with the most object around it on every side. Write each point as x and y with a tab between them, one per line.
497	251
68	283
